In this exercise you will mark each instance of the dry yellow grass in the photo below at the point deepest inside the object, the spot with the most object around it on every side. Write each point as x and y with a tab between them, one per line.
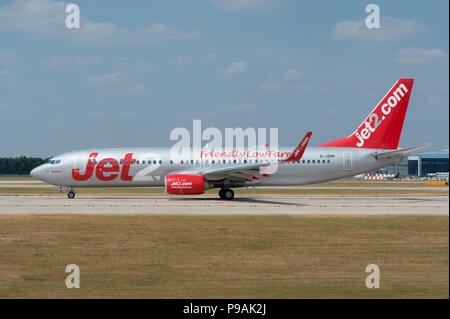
223	256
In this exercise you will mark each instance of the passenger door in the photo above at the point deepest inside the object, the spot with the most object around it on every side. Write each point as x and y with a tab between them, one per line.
347	161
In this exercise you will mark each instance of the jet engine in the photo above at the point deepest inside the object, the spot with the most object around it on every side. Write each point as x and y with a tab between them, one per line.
185	184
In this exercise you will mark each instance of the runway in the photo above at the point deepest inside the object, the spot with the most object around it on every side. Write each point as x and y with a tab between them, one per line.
211	205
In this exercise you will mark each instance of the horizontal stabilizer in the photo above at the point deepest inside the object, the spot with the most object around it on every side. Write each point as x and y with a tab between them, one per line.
399	152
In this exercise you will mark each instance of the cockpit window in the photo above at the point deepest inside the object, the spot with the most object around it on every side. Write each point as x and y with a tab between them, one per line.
53	162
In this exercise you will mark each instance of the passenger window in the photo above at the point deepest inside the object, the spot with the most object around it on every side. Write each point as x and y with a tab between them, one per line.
160	162
212	161
126	162
308	161
328	161
224	161
234	161
171	162
245	161
154	162
192	161
181	162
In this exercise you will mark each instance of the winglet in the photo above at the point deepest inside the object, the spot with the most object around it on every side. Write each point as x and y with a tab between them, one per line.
300	149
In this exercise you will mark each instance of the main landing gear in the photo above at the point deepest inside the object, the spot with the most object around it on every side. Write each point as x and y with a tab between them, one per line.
226	193
71	194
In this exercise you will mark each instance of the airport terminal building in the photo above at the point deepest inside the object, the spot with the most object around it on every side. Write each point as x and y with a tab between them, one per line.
420	164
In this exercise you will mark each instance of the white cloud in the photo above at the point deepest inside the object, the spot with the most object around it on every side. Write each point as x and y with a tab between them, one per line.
207	57
35	15
391	29
244	5
412	55
63	61
107	78
105	32
138	89
47	18
7	57
291	75
269	88
187	60
303	88
182	60
238	107
233	69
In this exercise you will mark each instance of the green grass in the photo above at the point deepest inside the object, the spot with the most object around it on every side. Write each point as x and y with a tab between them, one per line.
223	256
5	177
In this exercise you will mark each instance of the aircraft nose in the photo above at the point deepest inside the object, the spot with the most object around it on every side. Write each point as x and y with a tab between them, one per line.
36	172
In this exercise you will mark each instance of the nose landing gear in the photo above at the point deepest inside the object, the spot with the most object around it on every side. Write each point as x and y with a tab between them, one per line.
226	193
71	194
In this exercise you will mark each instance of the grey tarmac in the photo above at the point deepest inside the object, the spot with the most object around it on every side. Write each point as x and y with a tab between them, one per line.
212	205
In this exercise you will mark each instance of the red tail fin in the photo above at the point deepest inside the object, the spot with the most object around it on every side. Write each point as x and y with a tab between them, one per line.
382	128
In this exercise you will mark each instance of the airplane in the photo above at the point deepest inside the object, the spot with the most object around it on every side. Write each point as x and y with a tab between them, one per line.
373	145
378	176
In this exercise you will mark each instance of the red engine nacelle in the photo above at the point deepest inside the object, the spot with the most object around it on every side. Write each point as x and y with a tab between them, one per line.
180	184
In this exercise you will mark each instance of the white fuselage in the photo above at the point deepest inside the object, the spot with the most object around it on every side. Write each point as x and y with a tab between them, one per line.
147	167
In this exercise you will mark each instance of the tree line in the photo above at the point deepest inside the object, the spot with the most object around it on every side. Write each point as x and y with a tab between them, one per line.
19	165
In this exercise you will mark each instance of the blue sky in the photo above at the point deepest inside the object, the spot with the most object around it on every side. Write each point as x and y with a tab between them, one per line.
136	70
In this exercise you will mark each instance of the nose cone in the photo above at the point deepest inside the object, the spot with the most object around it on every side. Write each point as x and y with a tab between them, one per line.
37	172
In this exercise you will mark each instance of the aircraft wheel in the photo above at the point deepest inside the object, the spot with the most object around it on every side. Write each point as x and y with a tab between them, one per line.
221	193
228	194
71	195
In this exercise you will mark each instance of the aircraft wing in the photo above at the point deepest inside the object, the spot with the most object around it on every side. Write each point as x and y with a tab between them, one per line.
399	152
248	172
